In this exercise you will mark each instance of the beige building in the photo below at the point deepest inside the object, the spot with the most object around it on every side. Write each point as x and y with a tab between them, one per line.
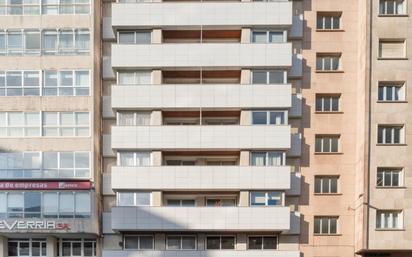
168	128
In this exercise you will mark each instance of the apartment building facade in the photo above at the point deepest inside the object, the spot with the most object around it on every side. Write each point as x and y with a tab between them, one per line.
201	128
49	127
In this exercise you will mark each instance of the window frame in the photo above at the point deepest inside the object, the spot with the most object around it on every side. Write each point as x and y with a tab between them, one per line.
135	32
267	32
59	127
329	15
323	57
329	184
398	89
331	139
329	219
395	8
381	221
71	241
43	214
381	172
382	131
181	242
323	98
42	246
285	77
284	117
220	242
135	158
135	194
267	198
263	243
138	242
267	153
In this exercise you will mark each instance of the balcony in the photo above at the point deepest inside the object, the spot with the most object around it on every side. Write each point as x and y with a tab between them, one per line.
202	13
200	218
201	137
201	55
201	95
210	253
201	178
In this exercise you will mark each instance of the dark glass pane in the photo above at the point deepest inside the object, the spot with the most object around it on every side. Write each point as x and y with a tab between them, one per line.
269	243
318	185
326	145
12	249
387	179
259	118
328	22
131	242
77	248
32	202
334	185
395	179
388	135
255	243
325	185
146	242
380	135
335	104
335	147
213	243
228	242
380	94
336	22
319	104
389	93
317	226
327	104
379	179
333	226
318	144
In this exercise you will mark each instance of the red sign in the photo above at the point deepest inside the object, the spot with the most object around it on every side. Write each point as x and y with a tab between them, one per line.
48	185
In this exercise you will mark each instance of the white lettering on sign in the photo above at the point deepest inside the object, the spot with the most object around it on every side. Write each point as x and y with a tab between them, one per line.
33	225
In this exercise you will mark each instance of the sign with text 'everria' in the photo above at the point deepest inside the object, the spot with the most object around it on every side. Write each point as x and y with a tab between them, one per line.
48	185
33	225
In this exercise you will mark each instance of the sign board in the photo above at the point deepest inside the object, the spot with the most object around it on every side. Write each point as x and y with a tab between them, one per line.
48	185
33	225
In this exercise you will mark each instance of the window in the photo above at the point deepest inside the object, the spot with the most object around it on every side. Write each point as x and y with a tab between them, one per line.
389	177
76	247
133	199
220	202
66	124
134	159
268	36
45	165
134	78
269	118
220	242
143	242
328	62
181	162
326	184
388	219
327	103
19	83
48	42
328	21
392	7
181	242
390	134
262	242
37	204
181	202
32	247
66	83
37	7
266	198
327	144
326	225
135	37
267	158
392	48
391	91
133	118
269	77
19	124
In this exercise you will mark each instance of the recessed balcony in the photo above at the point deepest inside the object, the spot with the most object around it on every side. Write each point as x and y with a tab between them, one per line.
210	253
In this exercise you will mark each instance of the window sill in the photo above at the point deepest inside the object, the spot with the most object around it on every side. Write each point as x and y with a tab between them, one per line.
393	59
387	187
328	112
393	15
390	229
327	234
400	102
380	144
330	30
329	71
328	194
334	153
